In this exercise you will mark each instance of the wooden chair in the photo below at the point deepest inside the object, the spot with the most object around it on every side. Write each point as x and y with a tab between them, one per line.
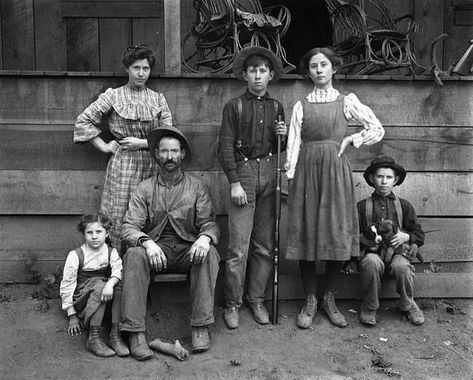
223	27
372	43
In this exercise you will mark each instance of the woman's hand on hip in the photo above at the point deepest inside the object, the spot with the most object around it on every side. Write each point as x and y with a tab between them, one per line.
345	142
133	143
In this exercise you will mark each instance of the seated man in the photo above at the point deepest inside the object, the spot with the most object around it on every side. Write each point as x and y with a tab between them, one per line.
383	174
170	226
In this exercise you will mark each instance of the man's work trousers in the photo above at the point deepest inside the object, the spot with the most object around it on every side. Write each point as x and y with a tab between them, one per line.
137	274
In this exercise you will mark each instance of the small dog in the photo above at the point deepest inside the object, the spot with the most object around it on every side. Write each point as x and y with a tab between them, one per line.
379	235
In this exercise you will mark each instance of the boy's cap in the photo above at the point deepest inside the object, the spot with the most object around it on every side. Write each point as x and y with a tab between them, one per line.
243	54
156	134
384	162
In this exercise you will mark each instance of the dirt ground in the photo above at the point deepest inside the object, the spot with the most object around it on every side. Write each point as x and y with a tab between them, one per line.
34	344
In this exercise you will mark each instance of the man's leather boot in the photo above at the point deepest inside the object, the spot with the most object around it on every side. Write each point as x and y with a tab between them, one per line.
138	347
200	339
116	342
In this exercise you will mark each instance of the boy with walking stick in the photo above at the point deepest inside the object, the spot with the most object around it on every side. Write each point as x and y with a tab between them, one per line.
248	154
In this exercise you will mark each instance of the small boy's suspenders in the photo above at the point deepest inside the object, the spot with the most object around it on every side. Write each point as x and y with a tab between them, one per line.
80	255
369	211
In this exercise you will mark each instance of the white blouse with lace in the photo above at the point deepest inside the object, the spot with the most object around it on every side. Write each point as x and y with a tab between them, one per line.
353	109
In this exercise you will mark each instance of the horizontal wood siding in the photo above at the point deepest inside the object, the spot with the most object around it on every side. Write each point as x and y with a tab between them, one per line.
34	31
46	181
76	191
423	148
60	35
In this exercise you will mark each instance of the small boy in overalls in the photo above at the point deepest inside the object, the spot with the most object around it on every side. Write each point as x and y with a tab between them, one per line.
383	174
247	153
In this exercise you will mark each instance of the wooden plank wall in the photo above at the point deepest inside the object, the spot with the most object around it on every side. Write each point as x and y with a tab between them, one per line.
75	35
46	181
79	35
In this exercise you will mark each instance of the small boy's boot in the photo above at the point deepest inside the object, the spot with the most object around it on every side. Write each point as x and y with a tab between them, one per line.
332	311
116	341
96	345
138	347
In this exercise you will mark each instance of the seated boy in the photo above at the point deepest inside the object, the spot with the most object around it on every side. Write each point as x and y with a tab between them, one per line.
383	174
247	147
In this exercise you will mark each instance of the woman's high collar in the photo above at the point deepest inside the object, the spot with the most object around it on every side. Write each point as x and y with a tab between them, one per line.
136	88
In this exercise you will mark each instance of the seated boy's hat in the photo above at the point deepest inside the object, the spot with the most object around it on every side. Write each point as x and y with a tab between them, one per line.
243	54
384	162
156	134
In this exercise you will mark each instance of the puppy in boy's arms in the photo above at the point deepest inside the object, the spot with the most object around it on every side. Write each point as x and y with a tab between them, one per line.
377	238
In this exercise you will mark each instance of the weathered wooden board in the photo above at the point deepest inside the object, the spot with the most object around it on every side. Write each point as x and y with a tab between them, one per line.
114	37
74	192
419	149
18	34
200	100
426	285
459	27
150	32
447	240
50	36
172	36
431	193
429	16
50	192
82	44
111	9
1	42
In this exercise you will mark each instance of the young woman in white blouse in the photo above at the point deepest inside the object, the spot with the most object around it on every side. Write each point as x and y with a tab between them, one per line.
323	220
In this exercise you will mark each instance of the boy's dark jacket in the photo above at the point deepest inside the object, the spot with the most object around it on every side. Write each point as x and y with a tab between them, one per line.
384	208
250	136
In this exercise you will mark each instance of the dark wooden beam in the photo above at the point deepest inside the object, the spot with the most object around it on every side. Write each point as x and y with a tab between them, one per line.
112	9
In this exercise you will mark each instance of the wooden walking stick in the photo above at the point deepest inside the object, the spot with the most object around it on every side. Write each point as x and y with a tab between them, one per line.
276	233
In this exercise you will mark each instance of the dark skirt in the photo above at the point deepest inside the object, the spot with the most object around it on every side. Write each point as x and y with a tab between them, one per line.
86	297
323	219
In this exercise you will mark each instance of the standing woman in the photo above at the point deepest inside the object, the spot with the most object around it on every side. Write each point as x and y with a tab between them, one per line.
132	111
323	219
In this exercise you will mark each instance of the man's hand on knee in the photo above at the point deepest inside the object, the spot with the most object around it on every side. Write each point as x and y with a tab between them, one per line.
199	249
157	258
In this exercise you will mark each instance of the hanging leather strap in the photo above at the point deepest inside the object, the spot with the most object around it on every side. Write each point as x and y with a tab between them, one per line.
369	211
80	256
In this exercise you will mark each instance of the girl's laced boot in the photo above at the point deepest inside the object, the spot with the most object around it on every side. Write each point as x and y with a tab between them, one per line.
96	345
308	311
332	311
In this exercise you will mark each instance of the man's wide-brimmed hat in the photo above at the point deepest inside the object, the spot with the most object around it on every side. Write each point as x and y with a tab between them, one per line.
243	54
384	162
156	134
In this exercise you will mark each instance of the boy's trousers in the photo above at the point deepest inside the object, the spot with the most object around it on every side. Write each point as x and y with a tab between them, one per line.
251	233
371	271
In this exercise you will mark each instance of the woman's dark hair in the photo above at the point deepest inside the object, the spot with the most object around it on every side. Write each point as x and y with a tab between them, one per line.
94	218
135	53
254	60
334	59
